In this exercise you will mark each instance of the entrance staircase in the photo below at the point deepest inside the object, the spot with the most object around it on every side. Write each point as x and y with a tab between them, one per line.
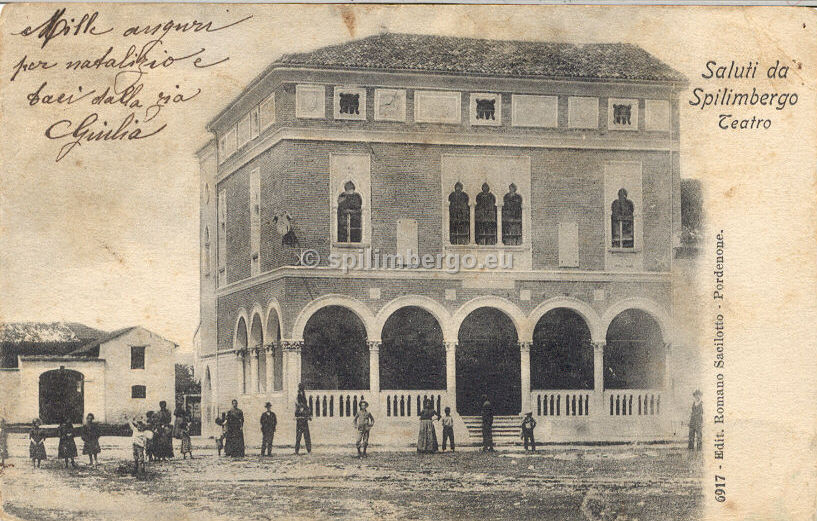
506	429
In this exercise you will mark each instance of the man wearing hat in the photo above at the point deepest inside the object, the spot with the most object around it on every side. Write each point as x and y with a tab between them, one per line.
528	424
268	424
363	422
696	422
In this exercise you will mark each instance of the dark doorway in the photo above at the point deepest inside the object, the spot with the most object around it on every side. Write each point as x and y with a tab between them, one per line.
61	395
412	355
488	363
335	354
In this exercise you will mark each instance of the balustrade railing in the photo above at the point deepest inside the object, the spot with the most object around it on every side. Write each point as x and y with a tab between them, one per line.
404	404
334	404
561	403
638	402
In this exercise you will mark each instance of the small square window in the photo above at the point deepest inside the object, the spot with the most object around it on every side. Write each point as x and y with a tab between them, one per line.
137	357
138	391
350	103
486	109
622	114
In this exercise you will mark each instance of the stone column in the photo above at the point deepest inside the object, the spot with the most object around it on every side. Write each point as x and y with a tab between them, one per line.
239	357
598	376
472	224
451	374
499	223
374	366
666	409
269	351
254	370
524	357
292	365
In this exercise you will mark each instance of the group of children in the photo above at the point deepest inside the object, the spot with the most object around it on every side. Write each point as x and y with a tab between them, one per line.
67	448
146	437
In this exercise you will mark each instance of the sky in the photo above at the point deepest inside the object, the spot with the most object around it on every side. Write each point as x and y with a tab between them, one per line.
108	236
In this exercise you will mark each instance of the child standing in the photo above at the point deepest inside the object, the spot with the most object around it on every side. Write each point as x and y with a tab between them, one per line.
528	424
67	449
90	439
363	422
221	422
4	442
141	435
36	446
184	435
448	428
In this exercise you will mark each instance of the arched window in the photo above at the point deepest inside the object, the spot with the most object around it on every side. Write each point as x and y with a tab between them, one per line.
459	216
485	217
622	221
350	214
512	217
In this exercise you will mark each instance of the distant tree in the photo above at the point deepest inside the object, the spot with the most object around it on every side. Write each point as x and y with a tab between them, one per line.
185	382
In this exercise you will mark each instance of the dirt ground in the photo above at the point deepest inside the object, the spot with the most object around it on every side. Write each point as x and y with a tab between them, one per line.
646	483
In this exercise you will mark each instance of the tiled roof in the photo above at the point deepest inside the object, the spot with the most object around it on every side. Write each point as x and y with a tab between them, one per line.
446	54
92	348
47	332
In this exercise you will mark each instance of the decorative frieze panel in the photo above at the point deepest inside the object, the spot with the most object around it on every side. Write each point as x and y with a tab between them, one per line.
437	106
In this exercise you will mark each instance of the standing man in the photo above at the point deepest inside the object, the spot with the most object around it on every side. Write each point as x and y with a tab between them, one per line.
302	416
696	422
363	422
487	424
268	424
528	424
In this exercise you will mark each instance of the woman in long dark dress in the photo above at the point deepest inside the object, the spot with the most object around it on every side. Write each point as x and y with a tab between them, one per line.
427	439
163	442
67	448
90	439
234	443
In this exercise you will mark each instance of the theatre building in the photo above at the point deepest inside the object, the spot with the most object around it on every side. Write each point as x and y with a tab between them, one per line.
560	161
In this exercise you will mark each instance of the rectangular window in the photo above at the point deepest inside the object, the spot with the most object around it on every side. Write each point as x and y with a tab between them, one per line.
137	357
222	238
582	112
267	112
255	221
138	391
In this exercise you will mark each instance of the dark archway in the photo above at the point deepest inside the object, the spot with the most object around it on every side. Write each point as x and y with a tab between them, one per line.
62	395
488	362
274	337
335	354
257	342
634	354
412	355
562	353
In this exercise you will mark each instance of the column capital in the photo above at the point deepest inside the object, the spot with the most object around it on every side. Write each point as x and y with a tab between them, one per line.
374	345
450	346
525	346
599	346
292	345
256	350
241	353
269	348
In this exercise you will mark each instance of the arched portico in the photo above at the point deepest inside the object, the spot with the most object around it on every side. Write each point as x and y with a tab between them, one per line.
360	309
